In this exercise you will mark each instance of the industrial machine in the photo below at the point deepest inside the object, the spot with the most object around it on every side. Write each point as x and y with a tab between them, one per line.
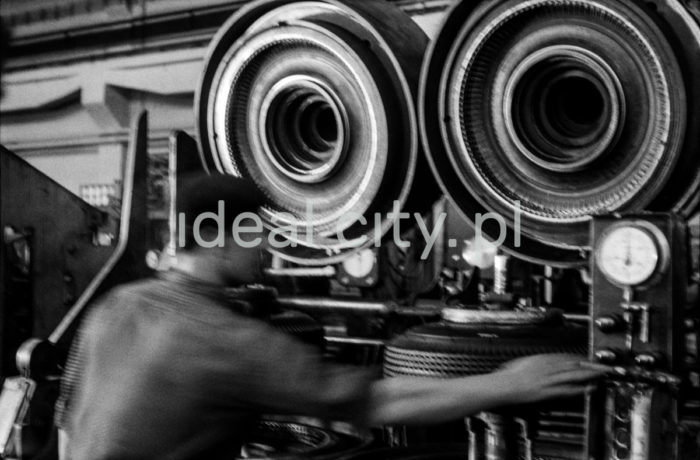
640	407
526	182
71	260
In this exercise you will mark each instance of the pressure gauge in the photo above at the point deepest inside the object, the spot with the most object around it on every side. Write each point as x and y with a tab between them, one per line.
632	253
360	264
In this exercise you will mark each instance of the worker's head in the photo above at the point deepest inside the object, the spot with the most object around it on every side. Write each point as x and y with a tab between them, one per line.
218	221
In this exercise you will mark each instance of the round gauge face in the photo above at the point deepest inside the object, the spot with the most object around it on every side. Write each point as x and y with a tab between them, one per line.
629	255
359	264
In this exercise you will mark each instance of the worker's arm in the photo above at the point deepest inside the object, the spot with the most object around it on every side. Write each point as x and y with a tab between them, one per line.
270	371
414	400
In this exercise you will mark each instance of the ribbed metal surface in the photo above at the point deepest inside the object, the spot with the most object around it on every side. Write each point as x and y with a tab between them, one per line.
450	350
398	361
287	438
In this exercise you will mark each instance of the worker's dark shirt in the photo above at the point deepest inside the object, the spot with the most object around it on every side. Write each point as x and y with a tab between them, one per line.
169	371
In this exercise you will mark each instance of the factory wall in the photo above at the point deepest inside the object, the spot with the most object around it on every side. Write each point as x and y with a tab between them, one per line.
68	112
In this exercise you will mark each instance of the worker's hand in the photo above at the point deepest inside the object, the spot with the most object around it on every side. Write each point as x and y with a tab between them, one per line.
539	377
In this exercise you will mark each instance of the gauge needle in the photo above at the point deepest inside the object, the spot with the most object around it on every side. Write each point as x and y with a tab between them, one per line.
628	253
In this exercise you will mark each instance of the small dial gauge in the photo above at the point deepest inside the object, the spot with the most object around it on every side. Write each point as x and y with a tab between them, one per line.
359	264
630	255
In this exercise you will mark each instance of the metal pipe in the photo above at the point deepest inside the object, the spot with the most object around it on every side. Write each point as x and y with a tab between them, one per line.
579	318
316	272
500	274
548	285
421	308
325	303
355	341
417	311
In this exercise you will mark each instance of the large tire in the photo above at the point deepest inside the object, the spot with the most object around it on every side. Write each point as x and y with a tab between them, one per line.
449	350
314	101
549	111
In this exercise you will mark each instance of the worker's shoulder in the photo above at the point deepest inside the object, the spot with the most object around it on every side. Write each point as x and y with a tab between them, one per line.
185	301
135	290
167	300
119	297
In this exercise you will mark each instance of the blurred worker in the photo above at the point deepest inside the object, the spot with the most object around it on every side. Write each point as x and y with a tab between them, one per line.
169	370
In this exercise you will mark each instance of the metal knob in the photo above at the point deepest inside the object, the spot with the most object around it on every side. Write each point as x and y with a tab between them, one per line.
608	324
606	356
648	360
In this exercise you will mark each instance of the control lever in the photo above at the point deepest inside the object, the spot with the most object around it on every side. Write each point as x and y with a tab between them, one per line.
644	327
631	311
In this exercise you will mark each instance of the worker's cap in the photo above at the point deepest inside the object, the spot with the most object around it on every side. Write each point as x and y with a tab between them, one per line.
202	193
